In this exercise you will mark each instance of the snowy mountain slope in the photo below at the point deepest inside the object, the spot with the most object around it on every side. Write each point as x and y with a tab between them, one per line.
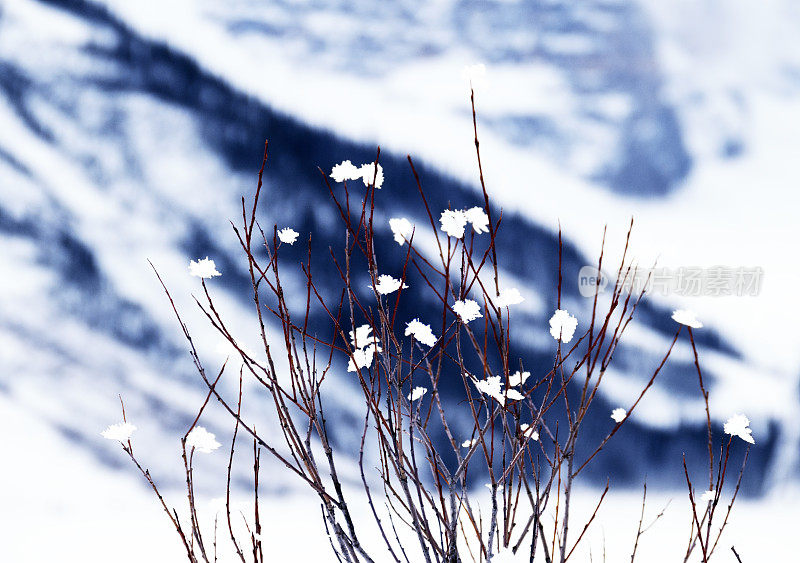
404	95
84	496
117	148
712	89
578	82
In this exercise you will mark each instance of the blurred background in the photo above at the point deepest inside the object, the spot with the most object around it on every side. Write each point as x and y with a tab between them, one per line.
130	131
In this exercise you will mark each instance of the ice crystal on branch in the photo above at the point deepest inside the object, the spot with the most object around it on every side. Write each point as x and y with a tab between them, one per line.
479	219
529	432
468	310
563	325
345	171
738	425
453	222
362	358
387	284
362	337
121	431
687	318
417	393
509	296
493	387
368	174
518	378
619	414
402	229
514	395
202	440
204	268
287	235
421	332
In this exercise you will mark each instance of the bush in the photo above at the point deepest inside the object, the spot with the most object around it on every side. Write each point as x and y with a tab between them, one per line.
426	458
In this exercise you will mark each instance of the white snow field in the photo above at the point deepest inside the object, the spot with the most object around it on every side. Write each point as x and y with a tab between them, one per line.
70	508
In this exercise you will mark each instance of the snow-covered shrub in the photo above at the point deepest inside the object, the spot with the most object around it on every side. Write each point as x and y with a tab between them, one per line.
416	462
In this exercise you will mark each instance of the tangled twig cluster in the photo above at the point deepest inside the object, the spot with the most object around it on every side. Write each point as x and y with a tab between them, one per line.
425	462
